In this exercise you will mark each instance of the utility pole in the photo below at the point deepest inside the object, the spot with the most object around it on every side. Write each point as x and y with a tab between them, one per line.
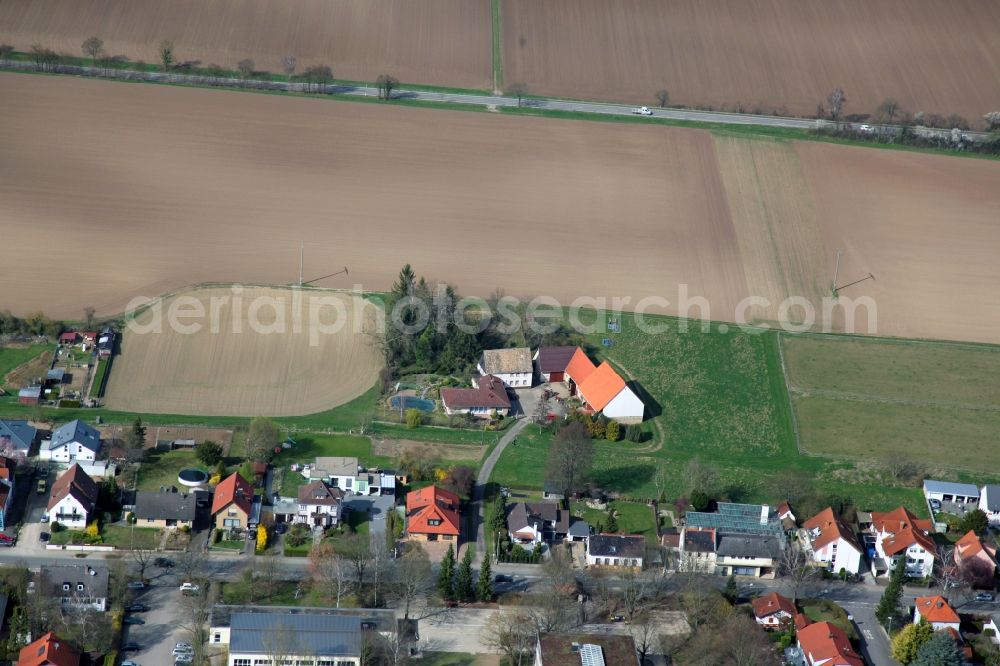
302	251
836	270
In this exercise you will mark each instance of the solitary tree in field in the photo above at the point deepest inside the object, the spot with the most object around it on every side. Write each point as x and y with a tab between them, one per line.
288	64
663	97
569	458
264	435
246	67
835	103
992	118
93	46
888	110
166	54
386	84
518	90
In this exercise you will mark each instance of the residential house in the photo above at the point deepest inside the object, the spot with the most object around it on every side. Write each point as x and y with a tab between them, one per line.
106	342
513	367
754	555
551	492
829	542
902	537
989	502
825	644
489	395
579	530
746	540
946	491
773	611
68	338
551	362
536	523
319	504
165	509
971	549
233	503
433	513
49	650
7	466
73	499
346	474
316	636
616	550
71	442
16	438
936	611
74	585
585	650
89	337
30	395
697	549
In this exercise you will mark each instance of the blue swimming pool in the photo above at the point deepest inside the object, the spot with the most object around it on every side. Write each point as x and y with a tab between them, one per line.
412	402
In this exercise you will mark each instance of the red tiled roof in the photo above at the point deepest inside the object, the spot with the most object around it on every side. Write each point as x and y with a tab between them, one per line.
771	603
49	649
601	386
580	367
432	503
75	482
971	545
801	621
827	643
491	394
234	489
935	609
830	530
905	530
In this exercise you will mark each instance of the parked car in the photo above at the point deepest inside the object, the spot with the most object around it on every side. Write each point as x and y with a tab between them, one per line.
43	536
867	129
189	588
131	646
136	585
984	596
186	647
502	578
129	663
182	654
45	518
163	562
281	528
642	111
42	486
131	619
936	504
136	608
617	618
6	541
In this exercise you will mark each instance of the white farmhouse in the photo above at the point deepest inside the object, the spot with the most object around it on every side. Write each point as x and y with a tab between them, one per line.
514	367
71	442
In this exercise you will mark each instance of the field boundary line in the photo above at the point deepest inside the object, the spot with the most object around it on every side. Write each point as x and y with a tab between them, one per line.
497	46
788	395
876	339
833	394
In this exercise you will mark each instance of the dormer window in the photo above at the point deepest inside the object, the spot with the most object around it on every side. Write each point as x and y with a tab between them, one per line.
66	587
79	587
434	522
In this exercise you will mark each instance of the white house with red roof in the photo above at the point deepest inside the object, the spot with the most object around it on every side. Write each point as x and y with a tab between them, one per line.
830	543
825	644
601	389
490	395
900	536
970	548
433	514
936	611
773	611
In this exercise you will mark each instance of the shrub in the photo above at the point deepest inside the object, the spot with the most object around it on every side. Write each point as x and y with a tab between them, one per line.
633	433
613	432
414	418
261	538
56	527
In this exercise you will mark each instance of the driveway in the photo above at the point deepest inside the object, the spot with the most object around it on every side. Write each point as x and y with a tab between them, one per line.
375	507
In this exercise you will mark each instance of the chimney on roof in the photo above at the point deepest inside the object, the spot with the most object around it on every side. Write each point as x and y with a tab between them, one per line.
765	510
940	604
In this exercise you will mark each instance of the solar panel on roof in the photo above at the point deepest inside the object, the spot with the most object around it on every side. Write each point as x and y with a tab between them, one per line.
591	655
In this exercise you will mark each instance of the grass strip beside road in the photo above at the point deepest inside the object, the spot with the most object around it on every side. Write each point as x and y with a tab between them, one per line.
497	45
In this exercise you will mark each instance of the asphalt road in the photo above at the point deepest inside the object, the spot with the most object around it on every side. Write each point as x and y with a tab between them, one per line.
482	479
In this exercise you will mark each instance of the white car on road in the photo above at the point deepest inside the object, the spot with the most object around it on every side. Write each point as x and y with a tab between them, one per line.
642	111
189	588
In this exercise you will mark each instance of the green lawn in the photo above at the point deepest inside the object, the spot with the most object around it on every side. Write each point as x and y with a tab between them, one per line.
11	357
119	536
938	402
358	521
100	372
822	610
161	467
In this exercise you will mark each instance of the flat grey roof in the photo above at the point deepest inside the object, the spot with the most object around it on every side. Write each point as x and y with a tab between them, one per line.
320	635
964	489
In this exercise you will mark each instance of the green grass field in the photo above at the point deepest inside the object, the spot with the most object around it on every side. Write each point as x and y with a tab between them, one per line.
100	374
876	399
161	467
11	357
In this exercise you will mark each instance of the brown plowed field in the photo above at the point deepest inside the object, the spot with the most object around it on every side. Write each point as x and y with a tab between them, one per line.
443	42
109	190
932	56
239	370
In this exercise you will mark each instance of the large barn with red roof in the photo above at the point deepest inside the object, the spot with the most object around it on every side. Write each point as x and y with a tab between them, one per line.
600	387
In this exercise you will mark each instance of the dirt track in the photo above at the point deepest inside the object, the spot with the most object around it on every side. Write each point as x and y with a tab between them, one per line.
940	57
241	371
444	42
162	187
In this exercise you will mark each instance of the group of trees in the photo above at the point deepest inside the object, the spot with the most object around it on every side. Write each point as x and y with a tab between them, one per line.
887	610
919	645
462	584
33	324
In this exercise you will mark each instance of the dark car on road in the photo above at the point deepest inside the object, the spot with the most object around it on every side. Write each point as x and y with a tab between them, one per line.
128	619
501	578
163	562
136	608
131	647
43	536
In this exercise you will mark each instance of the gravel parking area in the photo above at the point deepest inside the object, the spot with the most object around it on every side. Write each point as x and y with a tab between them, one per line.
160	633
